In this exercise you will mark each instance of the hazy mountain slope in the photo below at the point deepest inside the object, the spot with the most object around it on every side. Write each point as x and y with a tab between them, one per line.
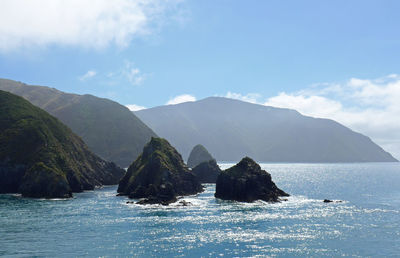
109	129
232	129
41	157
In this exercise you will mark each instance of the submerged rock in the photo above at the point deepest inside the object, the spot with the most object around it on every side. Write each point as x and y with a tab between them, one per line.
198	155
329	201
207	172
247	182
41	157
185	203
158	175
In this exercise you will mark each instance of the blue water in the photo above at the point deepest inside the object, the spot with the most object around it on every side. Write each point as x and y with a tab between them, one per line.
97	223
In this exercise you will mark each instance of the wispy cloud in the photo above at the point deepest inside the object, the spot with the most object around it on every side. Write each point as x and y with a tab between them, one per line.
128	74
181	99
371	107
87	75
250	97
133	107
87	23
133	74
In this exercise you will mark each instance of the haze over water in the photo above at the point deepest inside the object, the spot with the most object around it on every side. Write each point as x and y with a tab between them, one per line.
97	223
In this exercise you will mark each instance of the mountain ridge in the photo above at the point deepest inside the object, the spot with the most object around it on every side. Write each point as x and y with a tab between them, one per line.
268	134
110	129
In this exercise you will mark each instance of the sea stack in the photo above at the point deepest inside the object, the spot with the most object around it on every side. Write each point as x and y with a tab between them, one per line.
41	157
158	175
247	182
207	172
198	155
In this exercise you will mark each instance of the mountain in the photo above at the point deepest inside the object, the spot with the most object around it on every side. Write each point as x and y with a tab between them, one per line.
198	155
110	130
232	129
41	157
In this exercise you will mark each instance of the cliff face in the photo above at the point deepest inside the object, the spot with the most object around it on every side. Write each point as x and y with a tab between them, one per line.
41	157
159	175
247	182
198	155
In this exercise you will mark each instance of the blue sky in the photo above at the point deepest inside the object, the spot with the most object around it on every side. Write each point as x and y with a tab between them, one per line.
323	58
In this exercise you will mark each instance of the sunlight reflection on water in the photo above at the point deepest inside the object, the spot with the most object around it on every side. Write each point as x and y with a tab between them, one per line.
98	223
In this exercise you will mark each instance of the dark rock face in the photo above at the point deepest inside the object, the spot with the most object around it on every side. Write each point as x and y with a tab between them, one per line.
159	175
247	182
207	172
198	155
41	157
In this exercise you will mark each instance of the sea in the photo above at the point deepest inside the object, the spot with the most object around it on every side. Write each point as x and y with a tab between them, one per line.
364	220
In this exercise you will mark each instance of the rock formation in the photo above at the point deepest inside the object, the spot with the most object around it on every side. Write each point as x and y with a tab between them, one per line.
207	172
198	155
247	182
41	157
158	175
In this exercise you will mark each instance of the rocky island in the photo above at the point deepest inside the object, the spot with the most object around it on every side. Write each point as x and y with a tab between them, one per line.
207	172
247	182
41	157
158	175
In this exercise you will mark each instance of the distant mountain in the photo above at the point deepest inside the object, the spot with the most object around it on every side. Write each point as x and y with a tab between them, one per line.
110	130
41	157
232	129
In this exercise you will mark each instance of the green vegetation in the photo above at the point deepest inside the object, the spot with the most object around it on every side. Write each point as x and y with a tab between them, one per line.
41	157
110	130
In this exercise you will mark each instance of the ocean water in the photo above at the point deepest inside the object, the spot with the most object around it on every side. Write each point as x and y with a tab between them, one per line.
98	223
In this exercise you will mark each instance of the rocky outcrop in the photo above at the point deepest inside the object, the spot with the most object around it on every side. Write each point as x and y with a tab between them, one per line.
207	172
199	154
41	157
247	182
158	175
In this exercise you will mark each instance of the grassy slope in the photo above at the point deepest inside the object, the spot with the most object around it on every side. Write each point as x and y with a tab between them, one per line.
47	150
109	129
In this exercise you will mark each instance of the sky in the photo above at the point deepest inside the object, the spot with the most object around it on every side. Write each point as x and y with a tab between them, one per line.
331	59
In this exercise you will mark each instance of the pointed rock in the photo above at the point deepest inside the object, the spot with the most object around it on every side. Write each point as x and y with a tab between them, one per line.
247	182
159	175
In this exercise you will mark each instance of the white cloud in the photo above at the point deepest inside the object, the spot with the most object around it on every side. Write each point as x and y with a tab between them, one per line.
89	74
371	107
250	97
87	23
306	104
133	74
181	99
133	107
